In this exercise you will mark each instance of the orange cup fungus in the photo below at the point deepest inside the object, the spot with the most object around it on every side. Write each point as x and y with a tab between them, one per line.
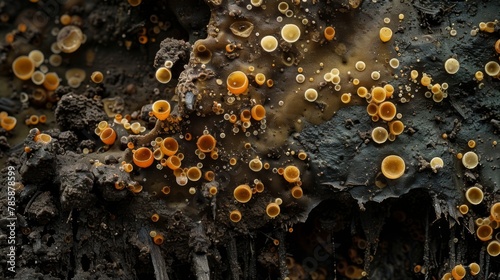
43	138
194	174
169	146
484	232
235	216
495	211
378	94
237	82
493	248
393	167
23	67
396	127
173	162
387	111
108	136
161	109
458	272
143	157
273	210
297	192
243	193
474	268
258	112
8	123
206	143
329	33
291	174
51	81
245	115
372	109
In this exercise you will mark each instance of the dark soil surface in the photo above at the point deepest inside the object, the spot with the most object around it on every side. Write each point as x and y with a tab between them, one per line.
71	209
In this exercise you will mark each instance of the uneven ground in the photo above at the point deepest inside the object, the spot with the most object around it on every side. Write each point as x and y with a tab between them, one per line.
74	221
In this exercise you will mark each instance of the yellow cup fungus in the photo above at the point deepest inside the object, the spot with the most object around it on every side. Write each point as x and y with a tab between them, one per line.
69	38
393	167
134	3
258	112
290	33
108	136
169	146
296	192
8	123
163	75
158	154
209	175
362	92
206	143
492	68
396	127
37	57
379	135
463	209
260	79
471	144
458	272
375	75
283	7
335	79
394	63
387	111
194	173
55	60
329	33
493	248
202	53
385	34
479	76
470	160
425	80
51	81
256	3
497	46
389	90
414	74
378	94
23	67
38	77
495	211
161	109
255	165
259	186
436	163
345	98
242	28
451	66
272	210
474	195
474	268
311	94
372	109
242	193
237	82
43	138
143	157
291	174
173	162
269	43
97	77
360	66
484	232
235	216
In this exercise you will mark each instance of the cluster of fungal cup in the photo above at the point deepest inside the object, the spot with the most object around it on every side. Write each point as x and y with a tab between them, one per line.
225	135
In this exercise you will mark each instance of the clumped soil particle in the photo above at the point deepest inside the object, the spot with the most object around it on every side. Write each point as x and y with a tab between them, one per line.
73	222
